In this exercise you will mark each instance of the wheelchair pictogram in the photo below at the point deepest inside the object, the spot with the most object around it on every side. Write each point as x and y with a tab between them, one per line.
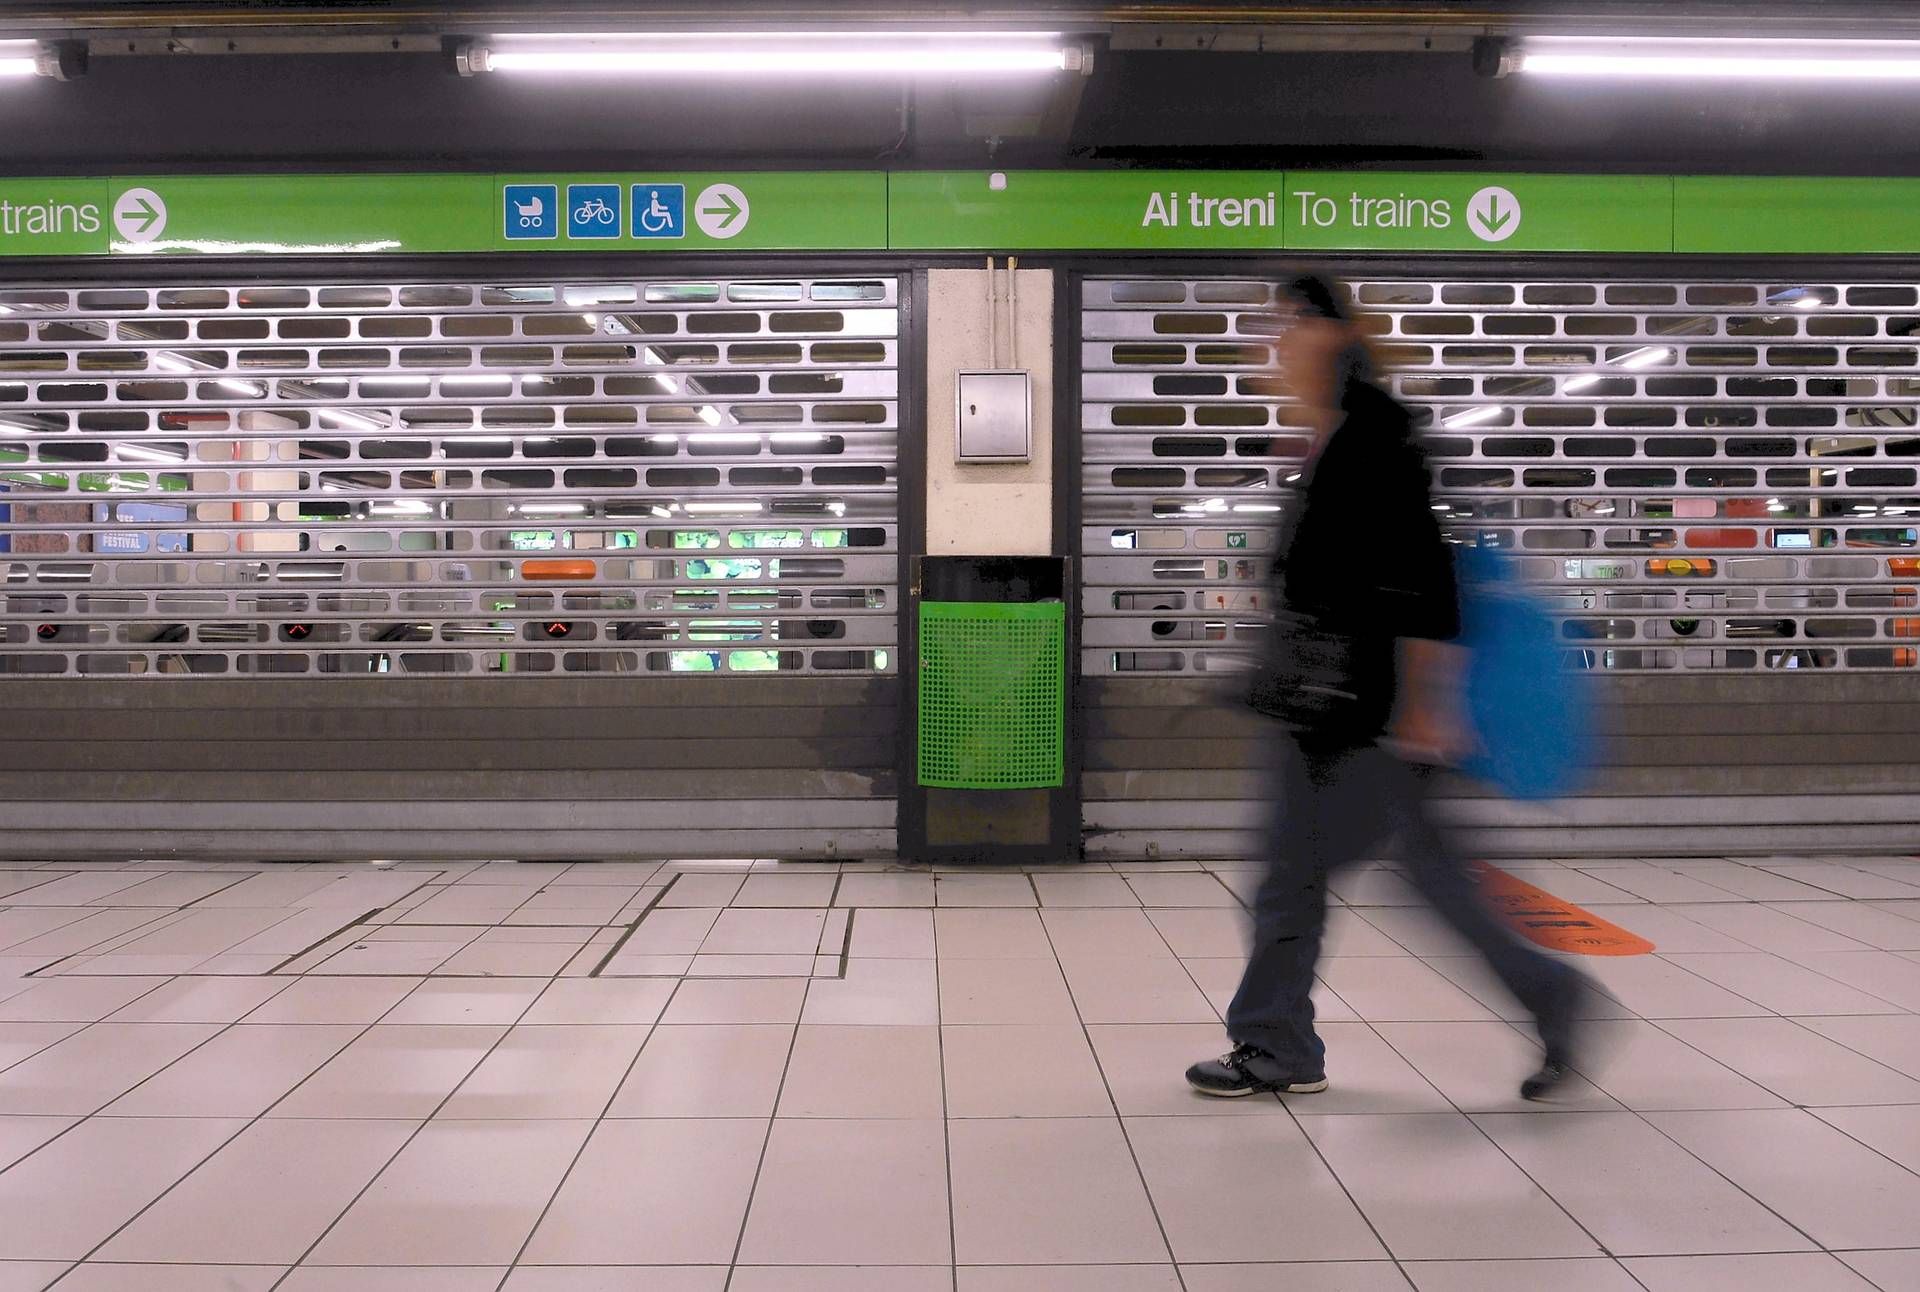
659	211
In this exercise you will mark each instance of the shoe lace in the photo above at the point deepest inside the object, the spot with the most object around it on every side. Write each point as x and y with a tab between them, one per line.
1237	1057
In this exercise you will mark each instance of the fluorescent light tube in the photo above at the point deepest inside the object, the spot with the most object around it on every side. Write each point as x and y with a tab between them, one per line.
1649	57
19	58
1474	416
878	54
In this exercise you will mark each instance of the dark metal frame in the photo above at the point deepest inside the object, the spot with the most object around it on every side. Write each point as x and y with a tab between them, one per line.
911	797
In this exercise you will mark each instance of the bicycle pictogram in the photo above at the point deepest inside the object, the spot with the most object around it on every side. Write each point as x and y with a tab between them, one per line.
594	211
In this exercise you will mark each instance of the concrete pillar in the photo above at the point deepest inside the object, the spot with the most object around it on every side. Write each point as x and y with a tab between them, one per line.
998	509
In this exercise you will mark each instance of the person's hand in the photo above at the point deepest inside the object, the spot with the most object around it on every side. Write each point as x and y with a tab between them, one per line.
1420	734
1430	724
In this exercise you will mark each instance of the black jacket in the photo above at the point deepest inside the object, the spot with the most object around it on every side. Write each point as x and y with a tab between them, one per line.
1361	549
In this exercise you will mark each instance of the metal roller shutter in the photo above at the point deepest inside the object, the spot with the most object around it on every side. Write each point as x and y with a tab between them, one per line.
624	545
1713	481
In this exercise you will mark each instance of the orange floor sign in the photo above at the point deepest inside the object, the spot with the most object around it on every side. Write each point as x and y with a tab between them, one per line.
1539	916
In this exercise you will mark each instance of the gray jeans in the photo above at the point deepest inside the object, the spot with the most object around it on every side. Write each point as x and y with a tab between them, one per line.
1331	809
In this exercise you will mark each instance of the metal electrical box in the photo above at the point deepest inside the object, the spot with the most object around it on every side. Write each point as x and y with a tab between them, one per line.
995	416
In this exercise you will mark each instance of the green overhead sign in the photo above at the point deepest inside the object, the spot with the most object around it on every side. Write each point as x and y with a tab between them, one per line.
1236	212
1086	210
299	215
1434	211
53	217
1270	211
1796	216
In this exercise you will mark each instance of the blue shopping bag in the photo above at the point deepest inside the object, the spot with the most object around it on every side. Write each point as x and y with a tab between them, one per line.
1534	717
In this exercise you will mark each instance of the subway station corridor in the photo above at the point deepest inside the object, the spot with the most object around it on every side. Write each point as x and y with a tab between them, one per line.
865	1078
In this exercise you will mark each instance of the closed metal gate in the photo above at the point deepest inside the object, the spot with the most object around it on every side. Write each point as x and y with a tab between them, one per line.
484	486
1714	483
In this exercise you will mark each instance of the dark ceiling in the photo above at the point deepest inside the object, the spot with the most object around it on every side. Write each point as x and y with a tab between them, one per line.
409	111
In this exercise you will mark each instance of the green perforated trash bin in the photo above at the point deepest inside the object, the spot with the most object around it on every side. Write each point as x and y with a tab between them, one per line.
992	694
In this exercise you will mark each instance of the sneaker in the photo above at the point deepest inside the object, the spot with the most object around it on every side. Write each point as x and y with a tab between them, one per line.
1249	1070
1561	1035
1551	1076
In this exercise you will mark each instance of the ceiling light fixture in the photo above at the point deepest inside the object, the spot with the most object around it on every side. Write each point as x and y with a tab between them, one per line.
893	55
59	62
1659	58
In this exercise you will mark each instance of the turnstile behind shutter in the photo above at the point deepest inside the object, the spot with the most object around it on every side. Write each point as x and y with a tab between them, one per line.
600	566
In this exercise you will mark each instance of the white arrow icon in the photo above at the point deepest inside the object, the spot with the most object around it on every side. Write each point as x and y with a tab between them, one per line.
722	210
1493	214
139	215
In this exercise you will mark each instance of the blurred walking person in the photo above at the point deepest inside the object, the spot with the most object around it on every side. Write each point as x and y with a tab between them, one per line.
1363	682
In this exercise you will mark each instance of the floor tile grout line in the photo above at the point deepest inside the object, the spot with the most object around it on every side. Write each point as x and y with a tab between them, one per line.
81	913
1469	1118
1892	1006
1871	1148
1346	1192
1481	1130
404	1144
1731	1182
1802	1021
846	959
106	941
215	893
946	1102
766	1145
250	1123
1853	903
633	927
599	1121
81	1119
1738	995
93	948
1119	1119
220	1030
1797	1021
52	877
81	1025
1746	940
310	948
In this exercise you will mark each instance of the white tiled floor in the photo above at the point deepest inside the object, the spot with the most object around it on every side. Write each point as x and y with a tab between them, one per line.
860	1078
